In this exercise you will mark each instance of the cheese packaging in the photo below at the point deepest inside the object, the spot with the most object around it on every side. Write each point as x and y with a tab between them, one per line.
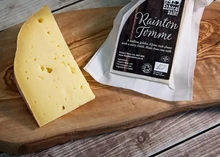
152	48
47	75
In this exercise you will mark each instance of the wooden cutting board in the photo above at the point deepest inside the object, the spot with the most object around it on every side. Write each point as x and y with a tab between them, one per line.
114	108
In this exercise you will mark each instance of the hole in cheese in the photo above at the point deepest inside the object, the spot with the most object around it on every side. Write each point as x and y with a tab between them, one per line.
63	63
40	20
63	55
48	32
58	45
35	59
49	70
41	77
72	70
63	107
27	78
42	67
81	87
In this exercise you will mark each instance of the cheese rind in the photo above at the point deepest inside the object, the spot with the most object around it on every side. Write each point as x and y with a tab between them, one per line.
45	70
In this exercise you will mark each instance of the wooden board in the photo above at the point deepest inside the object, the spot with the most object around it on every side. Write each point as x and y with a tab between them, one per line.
114	108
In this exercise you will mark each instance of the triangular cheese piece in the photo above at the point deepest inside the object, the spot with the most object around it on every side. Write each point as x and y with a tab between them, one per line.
45	70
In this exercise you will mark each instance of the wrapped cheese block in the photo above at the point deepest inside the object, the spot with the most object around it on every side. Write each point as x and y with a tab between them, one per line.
152	48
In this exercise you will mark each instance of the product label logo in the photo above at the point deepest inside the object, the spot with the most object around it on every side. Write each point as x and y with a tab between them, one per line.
165	58
161	67
147	68
172	6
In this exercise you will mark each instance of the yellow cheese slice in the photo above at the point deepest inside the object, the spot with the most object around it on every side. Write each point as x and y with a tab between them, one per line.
45	70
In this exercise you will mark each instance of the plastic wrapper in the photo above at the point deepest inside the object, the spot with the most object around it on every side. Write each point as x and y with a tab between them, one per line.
152	49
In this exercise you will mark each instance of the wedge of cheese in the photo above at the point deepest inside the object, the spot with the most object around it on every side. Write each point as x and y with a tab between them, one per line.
45	70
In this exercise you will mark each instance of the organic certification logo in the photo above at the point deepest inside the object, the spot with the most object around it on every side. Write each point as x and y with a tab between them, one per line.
147	68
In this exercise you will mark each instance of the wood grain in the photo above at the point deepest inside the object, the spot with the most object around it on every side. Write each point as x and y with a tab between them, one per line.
149	139
14	12
207	144
23	9
114	108
88	4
